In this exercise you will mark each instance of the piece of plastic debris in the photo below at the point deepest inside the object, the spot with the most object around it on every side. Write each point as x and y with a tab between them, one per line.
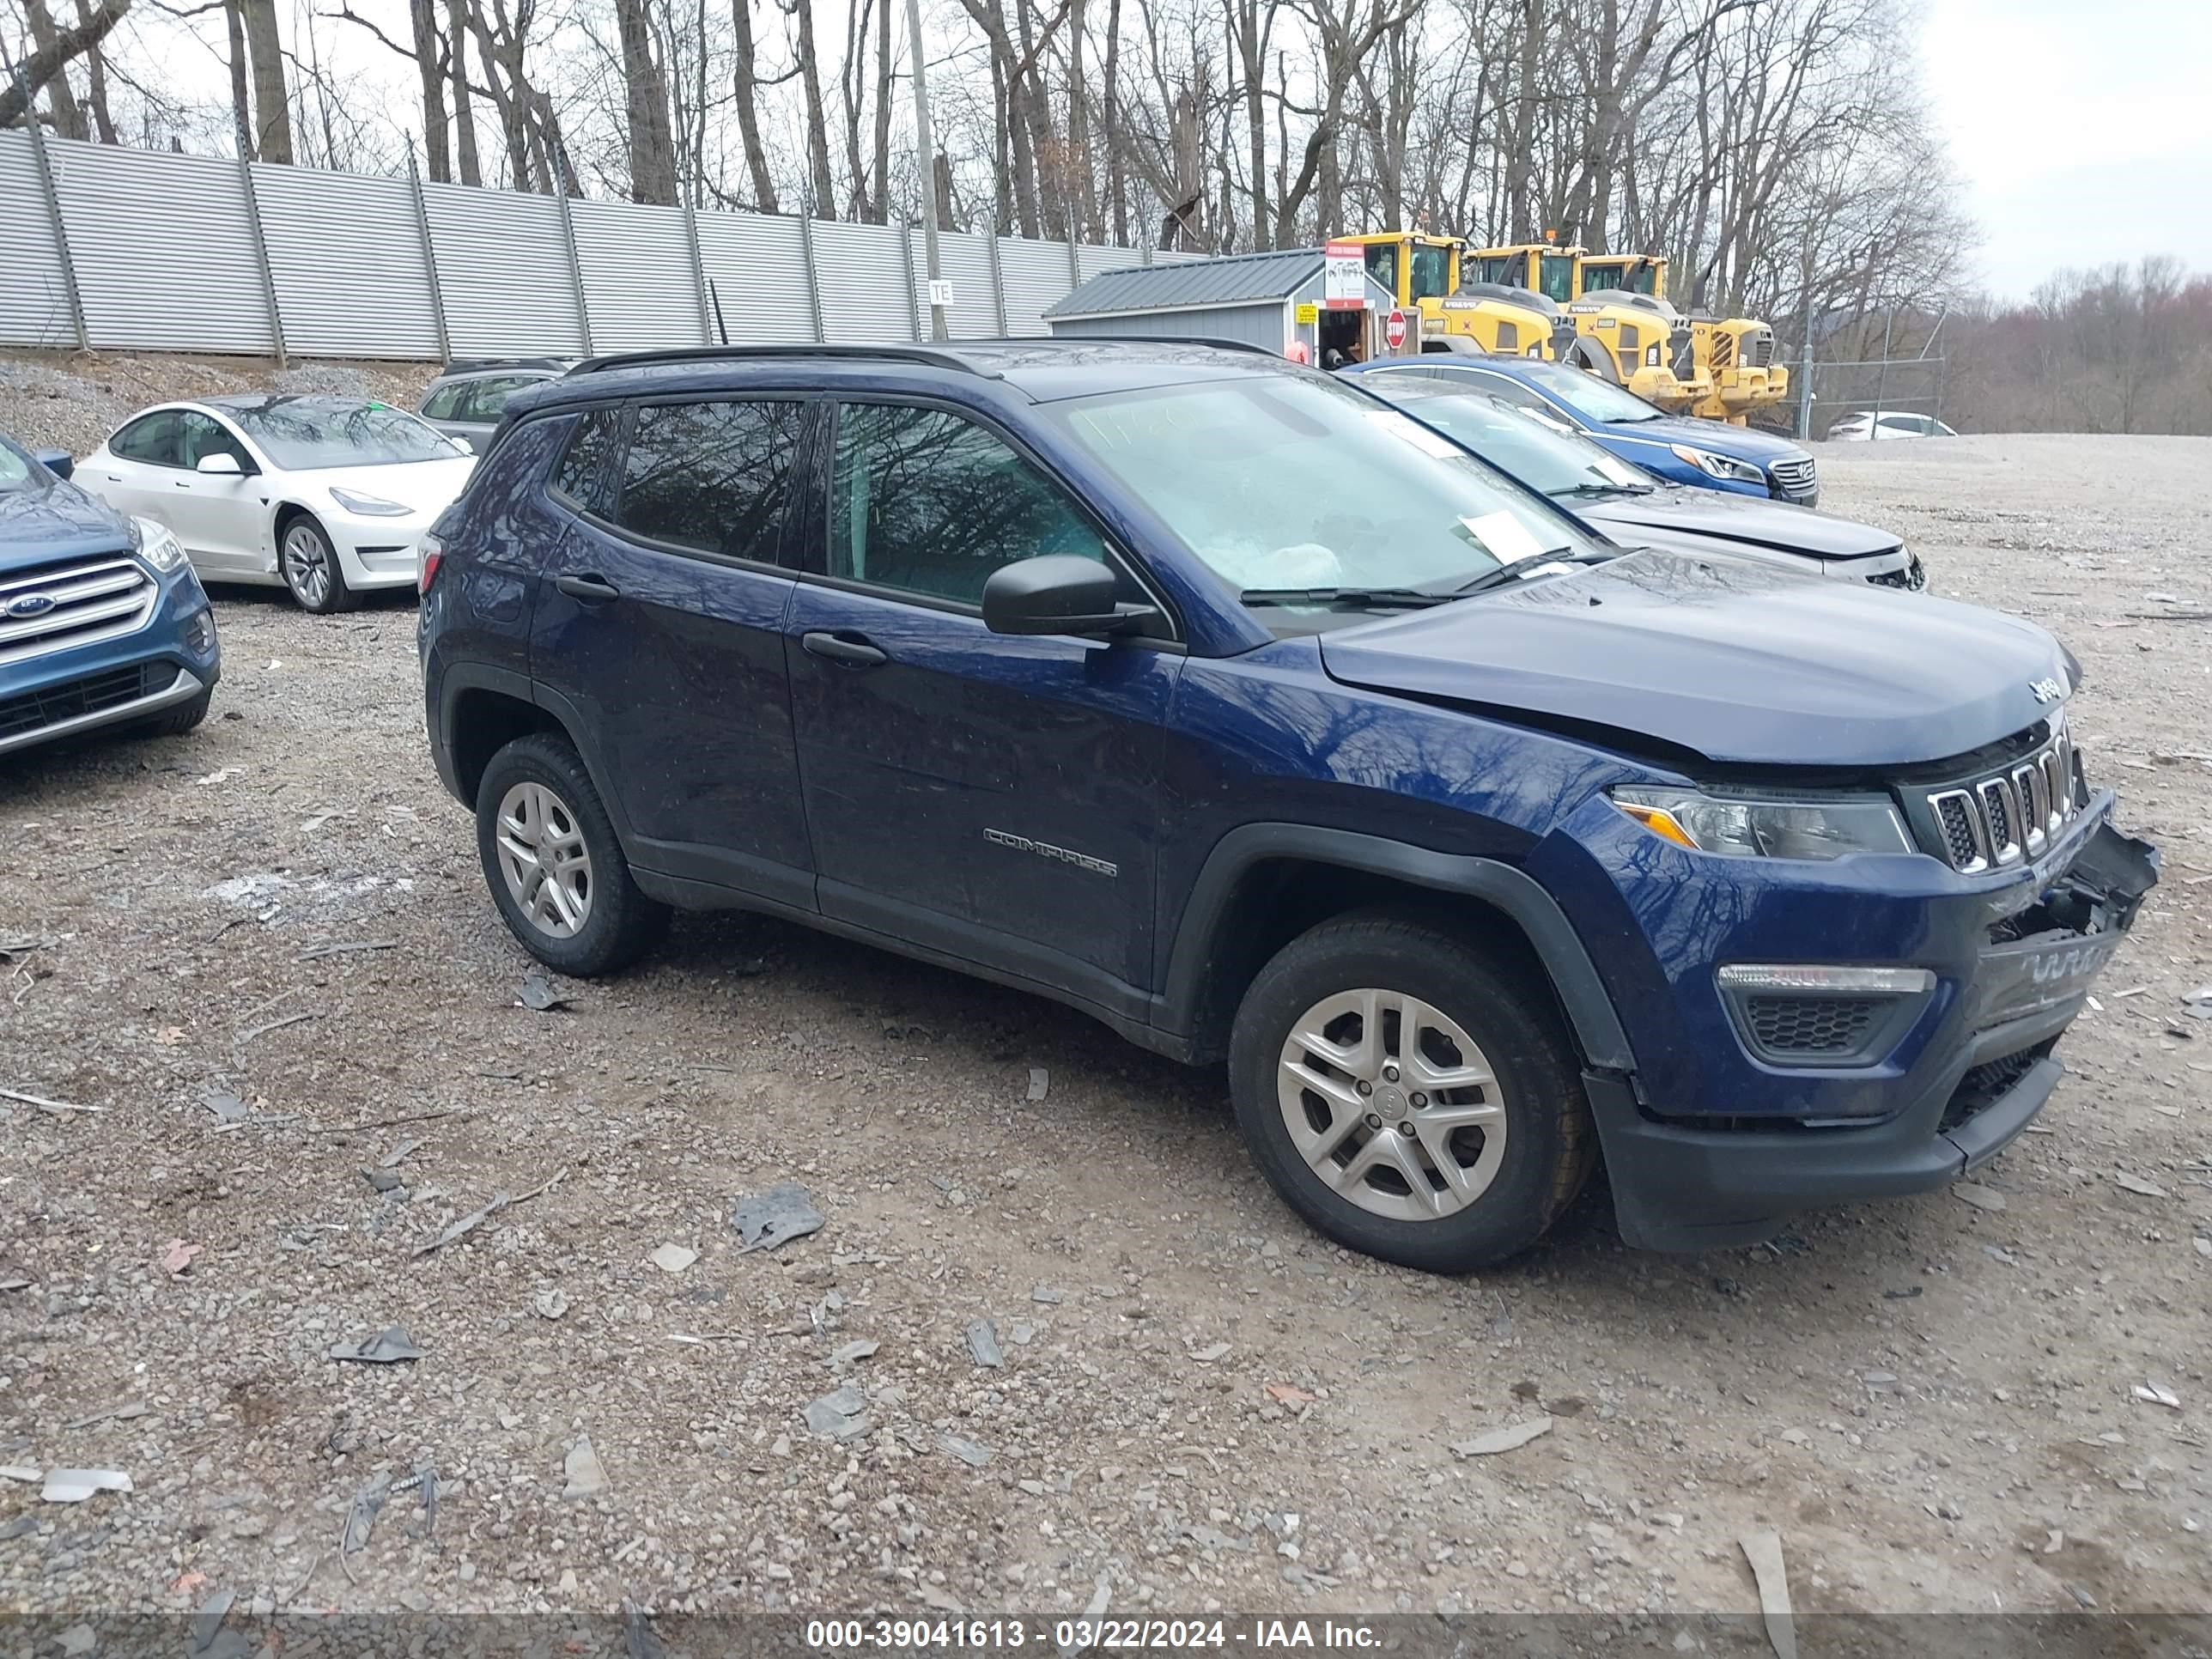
672	1258
1047	1296
227	1107
539	995
1286	1393
177	1256
2204	1245
77	1641
361	1519
1212	1351
1040	1083
587	1475
208	1620
2157	1394
2139	1186
387	1347
1981	1197
30	1473
639	1639
392	1159
853	1353
75	1486
121	1411
983	1344
316	953
967	1451
840	1414
2053	1541
1510	1437
1764	1551
777	1216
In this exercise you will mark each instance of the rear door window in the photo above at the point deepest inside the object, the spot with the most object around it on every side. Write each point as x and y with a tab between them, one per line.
445	403
712	477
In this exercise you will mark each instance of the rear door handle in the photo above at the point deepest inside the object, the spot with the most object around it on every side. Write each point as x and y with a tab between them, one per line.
592	590
838	648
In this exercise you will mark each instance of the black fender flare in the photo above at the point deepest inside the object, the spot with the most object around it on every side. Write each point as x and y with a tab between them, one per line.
462	677
1588	1006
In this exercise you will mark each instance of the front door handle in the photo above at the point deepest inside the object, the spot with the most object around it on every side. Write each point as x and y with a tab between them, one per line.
839	648
592	590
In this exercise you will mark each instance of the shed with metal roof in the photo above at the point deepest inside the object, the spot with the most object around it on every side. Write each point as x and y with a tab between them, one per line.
1268	300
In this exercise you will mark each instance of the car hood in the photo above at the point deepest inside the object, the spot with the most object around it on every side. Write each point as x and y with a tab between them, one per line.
1725	518
1738	660
54	521
427	487
1741	441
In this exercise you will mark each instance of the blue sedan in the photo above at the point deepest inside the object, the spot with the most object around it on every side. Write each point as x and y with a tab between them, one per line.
1679	448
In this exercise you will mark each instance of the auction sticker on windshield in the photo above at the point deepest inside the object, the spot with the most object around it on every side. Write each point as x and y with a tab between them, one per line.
1504	537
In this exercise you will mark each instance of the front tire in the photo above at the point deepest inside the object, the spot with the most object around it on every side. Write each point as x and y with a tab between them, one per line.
310	568
1412	1099
175	722
553	865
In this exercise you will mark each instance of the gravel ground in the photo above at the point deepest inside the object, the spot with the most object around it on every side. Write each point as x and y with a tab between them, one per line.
1200	1402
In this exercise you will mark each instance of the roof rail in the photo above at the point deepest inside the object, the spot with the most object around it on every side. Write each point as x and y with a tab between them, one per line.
1170	339
935	356
469	365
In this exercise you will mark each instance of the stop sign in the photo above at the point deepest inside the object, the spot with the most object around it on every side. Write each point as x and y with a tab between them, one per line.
1394	329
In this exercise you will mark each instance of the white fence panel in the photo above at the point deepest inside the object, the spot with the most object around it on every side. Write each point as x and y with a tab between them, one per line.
1035	275
503	268
756	271
965	260
864	293
1097	259
636	262
164	249
34	308
365	296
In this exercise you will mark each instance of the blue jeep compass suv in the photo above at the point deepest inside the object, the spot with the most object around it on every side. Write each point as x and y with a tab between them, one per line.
102	623
1206	694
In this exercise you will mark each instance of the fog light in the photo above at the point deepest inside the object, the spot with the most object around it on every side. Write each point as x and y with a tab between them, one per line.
199	633
1817	977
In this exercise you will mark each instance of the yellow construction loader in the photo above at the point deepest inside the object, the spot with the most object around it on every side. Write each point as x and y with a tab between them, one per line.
1734	354
1633	339
1425	274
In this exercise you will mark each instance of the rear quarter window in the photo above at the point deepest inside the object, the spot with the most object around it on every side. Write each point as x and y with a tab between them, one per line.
584	476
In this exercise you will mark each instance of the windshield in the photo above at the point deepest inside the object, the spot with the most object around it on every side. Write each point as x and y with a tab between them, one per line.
1593	399
302	433
1507	267
1556	272
1282	481
1512	440
16	467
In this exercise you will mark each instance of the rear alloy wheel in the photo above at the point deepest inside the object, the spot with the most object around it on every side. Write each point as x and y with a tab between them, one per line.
1411	1096
311	569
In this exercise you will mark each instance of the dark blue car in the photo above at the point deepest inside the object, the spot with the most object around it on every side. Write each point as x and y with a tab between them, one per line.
1205	693
102	623
1680	448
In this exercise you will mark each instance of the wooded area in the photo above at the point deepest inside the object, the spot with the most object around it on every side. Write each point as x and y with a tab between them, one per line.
1734	134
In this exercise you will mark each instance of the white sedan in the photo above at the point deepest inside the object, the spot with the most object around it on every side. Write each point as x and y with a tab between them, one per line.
1881	425
327	496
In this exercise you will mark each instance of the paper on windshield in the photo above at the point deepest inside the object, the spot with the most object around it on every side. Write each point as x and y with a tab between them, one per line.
1504	537
1408	430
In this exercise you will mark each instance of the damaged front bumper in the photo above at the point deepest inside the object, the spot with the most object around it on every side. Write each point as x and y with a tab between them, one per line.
1688	1185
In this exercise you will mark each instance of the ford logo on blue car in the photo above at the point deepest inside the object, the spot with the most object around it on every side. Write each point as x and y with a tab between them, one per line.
31	604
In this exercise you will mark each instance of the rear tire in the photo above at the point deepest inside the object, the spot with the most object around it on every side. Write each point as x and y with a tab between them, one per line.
309	565
539	816
1519	1141
175	722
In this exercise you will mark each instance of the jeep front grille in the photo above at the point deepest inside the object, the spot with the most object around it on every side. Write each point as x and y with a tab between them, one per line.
74	602
2006	816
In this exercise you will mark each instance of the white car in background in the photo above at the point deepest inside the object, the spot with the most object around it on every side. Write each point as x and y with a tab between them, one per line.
1880	425
326	496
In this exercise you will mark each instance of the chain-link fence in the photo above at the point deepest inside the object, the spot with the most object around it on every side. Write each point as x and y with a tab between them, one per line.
102	248
1908	385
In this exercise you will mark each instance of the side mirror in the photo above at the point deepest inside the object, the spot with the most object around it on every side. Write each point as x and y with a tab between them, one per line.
221	465
59	462
1058	593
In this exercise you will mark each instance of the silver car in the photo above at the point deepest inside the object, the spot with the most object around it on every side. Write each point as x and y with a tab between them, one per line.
466	400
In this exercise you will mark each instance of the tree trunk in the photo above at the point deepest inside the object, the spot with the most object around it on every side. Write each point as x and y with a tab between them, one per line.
272	107
823	187
645	88
745	83
95	64
1252	60
882	162
464	124
852	77
68	116
437	154
1081	188
35	72
241	98
1116	172
1521	157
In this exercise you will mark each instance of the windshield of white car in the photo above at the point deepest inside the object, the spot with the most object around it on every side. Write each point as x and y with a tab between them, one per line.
15	466
1559	464
1291	484
1599	402
300	435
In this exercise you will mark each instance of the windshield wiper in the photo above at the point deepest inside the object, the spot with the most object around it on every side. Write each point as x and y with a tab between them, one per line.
1528	566
1395	598
1592	491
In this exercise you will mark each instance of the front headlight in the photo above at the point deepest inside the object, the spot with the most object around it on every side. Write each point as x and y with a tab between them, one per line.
1718	466
371	507
157	546
1750	826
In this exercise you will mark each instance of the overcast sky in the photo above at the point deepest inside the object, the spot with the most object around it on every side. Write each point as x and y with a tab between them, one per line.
2083	131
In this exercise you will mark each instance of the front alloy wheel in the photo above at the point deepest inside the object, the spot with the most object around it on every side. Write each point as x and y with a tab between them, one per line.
1392	1104
310	569
544	858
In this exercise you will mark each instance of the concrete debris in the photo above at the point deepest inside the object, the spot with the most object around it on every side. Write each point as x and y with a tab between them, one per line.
672	1258
75	1486
967	1451
1510	1437
586	1477
1764	1551
840	1414
983	1344
1981	1197
776	1217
